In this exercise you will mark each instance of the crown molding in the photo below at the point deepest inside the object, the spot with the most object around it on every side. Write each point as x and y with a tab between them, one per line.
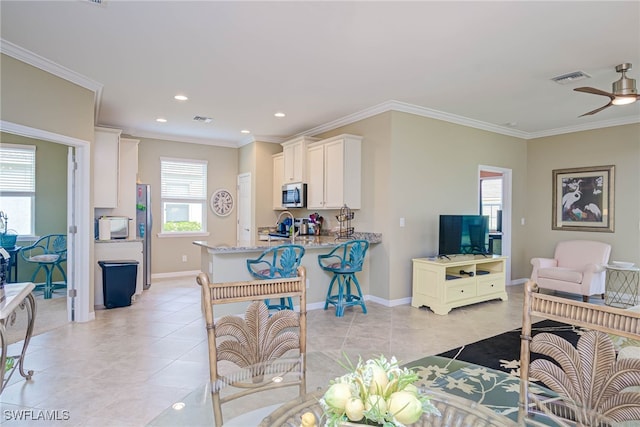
587	126
28	57
464	121
258	138
178	138
412	109
24	55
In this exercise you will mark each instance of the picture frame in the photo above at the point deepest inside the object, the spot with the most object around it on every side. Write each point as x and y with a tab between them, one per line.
583	199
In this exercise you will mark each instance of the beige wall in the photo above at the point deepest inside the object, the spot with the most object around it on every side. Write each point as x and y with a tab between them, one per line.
413	169
619	146
435	165
222	170
40	100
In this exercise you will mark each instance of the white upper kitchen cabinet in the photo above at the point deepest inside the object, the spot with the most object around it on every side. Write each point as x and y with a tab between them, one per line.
334	173
315	174
127	177
106	155
295	159
278	177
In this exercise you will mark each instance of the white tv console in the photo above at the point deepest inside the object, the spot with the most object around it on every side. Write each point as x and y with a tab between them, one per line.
445	283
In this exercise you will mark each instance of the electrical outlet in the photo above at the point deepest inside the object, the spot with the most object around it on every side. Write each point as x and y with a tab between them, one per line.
184	258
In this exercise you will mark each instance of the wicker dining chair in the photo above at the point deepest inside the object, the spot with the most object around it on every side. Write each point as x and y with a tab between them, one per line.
594	386
265	351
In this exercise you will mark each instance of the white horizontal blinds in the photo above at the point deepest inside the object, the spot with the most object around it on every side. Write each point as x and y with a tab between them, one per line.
17	169
183	179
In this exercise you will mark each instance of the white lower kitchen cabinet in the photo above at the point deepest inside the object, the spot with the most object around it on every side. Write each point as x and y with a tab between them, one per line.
116	250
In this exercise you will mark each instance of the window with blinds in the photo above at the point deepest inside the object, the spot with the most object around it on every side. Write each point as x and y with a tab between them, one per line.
184	195
18	187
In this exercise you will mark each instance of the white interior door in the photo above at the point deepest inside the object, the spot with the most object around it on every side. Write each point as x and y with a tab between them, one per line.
72	231
245	228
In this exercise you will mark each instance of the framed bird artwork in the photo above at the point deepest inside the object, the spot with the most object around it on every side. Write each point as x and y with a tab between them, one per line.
583	199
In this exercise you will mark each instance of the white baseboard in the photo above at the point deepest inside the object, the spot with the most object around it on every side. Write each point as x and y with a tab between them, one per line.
386	302
518	282
315	306
176	274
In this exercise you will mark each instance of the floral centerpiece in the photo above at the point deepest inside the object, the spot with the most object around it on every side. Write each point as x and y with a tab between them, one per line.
375	392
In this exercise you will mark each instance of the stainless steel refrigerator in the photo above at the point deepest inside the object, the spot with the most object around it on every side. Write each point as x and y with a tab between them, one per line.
144	224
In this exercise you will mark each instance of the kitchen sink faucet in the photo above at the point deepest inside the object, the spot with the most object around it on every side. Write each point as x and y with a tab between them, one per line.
293	228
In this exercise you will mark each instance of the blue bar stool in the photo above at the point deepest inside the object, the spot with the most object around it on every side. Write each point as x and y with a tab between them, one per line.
344	261
49	252
278	261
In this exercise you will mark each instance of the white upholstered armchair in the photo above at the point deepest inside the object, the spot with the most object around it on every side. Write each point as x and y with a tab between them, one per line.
577	267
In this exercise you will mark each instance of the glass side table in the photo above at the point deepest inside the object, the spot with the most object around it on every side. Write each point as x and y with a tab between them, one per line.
621	286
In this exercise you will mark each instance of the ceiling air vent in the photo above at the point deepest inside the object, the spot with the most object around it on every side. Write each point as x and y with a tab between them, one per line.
571	77
202	119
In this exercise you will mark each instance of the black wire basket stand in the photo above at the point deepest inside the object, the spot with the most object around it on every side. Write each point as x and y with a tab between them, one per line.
344	219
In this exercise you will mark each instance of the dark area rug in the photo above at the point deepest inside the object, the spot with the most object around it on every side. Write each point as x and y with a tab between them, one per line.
502	352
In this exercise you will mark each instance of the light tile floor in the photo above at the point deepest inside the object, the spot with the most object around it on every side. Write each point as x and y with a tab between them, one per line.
131	363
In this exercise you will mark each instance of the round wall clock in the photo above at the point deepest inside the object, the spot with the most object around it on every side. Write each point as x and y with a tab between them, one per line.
221	202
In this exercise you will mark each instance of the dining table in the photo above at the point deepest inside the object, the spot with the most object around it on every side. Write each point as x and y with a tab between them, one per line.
465	394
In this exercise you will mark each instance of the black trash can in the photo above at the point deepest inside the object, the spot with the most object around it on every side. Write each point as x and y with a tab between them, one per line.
118	282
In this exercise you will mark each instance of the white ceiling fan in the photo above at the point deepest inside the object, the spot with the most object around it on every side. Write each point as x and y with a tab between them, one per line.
623	91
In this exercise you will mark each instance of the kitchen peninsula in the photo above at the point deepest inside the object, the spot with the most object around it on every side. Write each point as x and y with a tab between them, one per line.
228	263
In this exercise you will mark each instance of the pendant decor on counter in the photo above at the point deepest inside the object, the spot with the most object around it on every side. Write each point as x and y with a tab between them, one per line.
344	219
221	202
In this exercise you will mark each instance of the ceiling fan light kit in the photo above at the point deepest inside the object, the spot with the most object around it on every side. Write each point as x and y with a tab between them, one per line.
623	92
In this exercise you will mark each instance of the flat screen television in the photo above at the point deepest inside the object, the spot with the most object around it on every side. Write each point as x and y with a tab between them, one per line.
463	234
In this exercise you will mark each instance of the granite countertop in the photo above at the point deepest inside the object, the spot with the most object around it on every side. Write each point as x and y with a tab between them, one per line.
308	242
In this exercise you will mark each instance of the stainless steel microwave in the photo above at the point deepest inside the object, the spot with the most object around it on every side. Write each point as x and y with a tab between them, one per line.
118	226
294	195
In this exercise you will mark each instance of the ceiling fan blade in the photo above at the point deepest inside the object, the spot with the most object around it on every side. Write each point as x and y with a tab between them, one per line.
595	91
597	110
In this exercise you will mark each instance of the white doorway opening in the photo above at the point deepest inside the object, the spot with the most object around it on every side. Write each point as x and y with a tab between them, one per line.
79	233
498	207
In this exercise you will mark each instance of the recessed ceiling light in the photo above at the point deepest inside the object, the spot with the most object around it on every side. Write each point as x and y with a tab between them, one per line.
178	406
245	131
180	98
279	114
161	120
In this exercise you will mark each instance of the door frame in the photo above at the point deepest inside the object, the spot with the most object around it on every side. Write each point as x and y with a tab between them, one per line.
507	185
242	176
81	247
